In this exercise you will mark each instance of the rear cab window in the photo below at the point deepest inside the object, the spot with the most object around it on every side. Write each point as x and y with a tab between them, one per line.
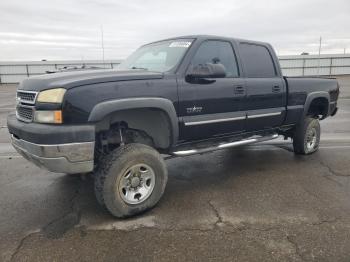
257	61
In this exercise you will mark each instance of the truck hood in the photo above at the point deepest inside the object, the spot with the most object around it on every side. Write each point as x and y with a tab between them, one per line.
78	78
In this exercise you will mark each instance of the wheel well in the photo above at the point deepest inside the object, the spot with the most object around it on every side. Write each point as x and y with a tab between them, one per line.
318	106
147	126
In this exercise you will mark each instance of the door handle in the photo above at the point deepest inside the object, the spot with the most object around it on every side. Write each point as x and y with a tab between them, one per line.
239	90
276	89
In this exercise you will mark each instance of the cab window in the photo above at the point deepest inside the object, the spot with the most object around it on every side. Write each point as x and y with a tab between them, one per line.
213	51
257	61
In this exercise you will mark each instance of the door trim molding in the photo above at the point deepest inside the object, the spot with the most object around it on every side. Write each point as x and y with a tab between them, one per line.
229	117
214	121
264	115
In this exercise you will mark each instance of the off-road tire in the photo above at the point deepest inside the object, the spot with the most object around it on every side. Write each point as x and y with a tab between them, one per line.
112	168
301	142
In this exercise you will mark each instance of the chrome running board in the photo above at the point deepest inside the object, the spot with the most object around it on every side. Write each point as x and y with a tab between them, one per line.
225	145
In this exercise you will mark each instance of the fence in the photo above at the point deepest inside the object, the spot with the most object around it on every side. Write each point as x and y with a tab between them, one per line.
314	65
14	72
301	65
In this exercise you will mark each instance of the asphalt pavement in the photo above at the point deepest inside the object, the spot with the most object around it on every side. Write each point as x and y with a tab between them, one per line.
253	203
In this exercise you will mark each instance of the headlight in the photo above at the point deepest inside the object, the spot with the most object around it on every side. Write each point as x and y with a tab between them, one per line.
52	117
51	96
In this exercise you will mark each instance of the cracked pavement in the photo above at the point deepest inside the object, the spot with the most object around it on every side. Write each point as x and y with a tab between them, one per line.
254	203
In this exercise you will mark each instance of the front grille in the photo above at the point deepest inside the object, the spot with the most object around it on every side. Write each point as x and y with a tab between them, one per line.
25	105
24	113
27	97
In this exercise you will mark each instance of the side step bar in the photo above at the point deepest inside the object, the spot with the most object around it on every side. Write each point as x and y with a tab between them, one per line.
223	146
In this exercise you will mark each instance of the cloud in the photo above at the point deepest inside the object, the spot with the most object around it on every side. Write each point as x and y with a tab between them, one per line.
71	29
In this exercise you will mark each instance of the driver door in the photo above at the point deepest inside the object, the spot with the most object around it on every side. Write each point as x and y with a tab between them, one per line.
212	106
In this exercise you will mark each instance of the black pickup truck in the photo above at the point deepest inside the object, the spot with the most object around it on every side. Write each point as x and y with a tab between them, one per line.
175	97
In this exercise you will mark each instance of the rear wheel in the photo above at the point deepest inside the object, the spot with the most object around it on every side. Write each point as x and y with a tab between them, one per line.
130	180
306	138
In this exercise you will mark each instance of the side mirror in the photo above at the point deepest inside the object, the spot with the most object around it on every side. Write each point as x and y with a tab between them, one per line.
207	70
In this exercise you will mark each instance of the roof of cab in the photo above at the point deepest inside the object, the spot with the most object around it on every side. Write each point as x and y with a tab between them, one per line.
204	37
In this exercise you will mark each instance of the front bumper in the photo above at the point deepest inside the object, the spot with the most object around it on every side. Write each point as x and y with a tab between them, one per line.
333	109
59	155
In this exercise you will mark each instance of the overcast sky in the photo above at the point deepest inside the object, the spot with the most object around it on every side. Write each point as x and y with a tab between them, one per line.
71	29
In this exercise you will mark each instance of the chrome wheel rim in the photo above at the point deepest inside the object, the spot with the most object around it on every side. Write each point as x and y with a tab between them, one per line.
311	139
137	184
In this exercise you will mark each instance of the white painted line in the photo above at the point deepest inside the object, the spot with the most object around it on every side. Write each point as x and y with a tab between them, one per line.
7	157
334	147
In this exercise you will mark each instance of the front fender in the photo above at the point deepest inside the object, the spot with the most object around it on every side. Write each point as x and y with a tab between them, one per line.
102	110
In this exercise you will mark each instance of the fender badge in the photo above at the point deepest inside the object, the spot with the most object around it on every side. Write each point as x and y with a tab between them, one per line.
194	109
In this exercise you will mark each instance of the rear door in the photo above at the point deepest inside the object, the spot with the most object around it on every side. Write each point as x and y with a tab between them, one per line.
266	91
211	107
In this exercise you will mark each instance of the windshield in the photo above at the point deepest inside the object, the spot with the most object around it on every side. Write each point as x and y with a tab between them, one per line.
160	56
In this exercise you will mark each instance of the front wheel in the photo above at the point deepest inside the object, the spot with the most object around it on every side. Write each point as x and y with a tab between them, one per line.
131	180
306	137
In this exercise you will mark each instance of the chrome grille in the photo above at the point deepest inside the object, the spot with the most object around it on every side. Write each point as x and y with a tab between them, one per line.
24	113
27	97
25	105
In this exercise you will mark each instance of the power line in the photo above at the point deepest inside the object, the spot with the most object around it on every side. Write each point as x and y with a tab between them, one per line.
319	56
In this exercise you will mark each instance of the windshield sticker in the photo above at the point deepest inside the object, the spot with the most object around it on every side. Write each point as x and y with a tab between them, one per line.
180	44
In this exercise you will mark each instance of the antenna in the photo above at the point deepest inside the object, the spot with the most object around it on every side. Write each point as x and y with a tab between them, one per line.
103	47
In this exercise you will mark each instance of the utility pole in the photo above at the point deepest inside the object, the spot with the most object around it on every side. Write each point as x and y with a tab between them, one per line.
319	56
103	46
82	60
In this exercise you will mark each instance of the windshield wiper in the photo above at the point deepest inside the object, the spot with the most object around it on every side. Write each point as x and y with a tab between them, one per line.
143	68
